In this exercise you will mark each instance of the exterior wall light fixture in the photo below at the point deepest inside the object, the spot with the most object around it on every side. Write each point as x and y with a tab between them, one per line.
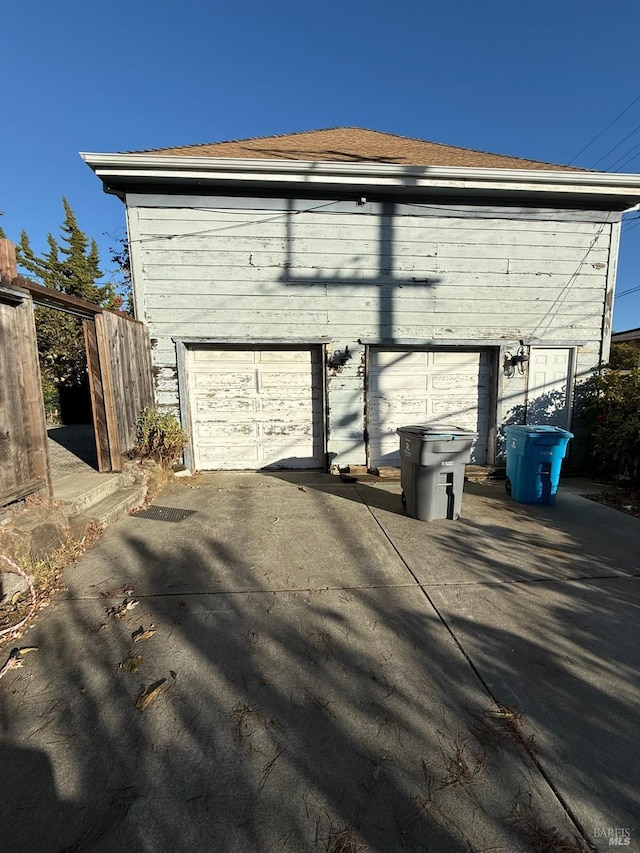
516	361
339	358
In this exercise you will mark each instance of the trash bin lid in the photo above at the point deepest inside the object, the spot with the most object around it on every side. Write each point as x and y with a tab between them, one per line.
431	431
542	429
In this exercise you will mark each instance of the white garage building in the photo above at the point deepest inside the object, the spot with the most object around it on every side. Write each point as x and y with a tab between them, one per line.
307	294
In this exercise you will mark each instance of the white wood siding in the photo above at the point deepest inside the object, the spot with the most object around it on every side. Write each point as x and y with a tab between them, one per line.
272	269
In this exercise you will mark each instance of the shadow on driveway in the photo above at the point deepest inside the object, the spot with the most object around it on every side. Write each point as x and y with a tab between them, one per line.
313	694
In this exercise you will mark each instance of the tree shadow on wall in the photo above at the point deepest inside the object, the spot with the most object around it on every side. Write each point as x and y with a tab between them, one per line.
548	409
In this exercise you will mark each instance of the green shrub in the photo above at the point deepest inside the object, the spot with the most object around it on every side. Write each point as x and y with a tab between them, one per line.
624	357
159	436
612	413
51	396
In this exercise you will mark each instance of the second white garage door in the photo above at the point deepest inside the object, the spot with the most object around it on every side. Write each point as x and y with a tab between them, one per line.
254	409
426	386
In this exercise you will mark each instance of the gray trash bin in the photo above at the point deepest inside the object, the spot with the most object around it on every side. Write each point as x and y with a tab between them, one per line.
432	460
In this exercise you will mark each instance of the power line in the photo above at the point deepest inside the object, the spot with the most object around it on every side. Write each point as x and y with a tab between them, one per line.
627	292
629	159
205	232
558	301
622	156
597	136
208	231
617	145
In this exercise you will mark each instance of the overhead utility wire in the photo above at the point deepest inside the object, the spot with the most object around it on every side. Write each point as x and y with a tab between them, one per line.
617	145
629	159
590	143
205	232
562	295
627	292
208	231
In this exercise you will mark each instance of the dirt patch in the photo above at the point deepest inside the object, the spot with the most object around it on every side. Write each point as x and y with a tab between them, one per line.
626	500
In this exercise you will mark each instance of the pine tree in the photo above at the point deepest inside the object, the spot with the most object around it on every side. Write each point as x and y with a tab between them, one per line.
80	267
71	266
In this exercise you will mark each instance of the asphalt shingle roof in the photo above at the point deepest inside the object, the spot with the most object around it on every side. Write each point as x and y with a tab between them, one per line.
355	145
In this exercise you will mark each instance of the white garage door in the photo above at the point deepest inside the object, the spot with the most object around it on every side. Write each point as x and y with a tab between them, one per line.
255	408
419	387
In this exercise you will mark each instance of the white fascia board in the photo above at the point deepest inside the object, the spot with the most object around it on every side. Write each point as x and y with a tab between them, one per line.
306	173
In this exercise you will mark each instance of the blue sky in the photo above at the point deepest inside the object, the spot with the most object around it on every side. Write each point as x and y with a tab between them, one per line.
536	80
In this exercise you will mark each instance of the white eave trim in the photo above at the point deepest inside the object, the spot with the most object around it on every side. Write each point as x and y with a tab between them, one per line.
219	169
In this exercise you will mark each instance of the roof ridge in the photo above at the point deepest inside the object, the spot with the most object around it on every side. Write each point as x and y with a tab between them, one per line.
248	141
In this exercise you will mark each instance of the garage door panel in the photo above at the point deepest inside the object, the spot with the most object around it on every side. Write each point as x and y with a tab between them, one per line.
255	408
225	382
457	359
211	430
426	386
209	455
295	409
207	356
379	382
395	358
294	383
388	405
211	407
454	382
299	429
461	408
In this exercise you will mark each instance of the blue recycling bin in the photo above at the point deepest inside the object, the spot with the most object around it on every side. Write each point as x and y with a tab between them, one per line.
534	459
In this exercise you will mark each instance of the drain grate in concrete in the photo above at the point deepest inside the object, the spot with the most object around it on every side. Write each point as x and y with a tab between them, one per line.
165	513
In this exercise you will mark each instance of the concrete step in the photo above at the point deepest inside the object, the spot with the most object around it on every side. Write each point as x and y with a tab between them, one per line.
117	506
83	490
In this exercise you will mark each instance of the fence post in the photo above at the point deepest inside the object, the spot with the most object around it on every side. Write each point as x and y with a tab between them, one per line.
8	268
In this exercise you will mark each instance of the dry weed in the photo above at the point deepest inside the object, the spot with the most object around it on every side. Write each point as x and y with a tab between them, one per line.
47	580
501	722
426	800
464	766
545	839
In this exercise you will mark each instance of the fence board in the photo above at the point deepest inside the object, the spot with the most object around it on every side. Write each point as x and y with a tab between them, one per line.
24	464
97	396
125	359
8	269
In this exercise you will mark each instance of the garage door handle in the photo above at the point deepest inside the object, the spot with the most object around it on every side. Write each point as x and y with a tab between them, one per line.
257	381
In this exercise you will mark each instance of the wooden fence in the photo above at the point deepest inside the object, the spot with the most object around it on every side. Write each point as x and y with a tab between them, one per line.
123	356
119	367
24	465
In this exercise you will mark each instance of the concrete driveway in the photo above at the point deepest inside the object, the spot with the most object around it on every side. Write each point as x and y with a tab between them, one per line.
338	677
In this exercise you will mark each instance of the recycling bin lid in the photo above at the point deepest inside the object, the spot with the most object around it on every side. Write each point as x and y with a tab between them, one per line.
431	431
542	429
